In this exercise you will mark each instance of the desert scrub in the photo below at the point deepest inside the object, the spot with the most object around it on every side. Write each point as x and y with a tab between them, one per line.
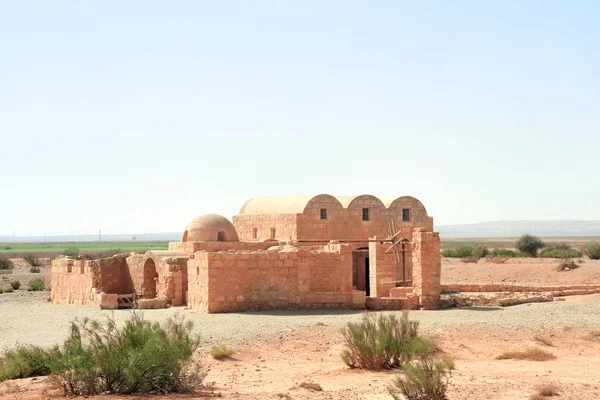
530	245
8	289
15	284
504	253
220	352
72	252
567	265
424	378
534	354
36	285
5	264
26	361
379	342
560	251
592	250
140	357
32	260
465	252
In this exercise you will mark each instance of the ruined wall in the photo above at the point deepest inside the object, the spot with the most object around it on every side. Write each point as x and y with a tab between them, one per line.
289	278
83	281
285	226
427	266
192	247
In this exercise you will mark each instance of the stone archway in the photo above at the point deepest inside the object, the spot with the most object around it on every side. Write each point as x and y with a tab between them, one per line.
150	278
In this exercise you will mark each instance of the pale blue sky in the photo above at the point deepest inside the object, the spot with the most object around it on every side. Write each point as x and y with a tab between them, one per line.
140	115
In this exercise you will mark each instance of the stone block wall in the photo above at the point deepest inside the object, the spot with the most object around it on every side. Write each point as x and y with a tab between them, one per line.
427	266
277	279
285	226
382	269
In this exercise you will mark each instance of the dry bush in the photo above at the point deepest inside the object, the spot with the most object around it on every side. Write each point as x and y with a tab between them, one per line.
544	391
315	387
470	259
380	342
284	396
221	352
544	340
595	334
567	265
497	259
534	354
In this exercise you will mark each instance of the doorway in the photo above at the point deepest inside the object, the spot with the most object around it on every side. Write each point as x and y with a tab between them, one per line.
360	270
150	277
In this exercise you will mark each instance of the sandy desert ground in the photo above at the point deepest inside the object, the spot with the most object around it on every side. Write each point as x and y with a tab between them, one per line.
278	350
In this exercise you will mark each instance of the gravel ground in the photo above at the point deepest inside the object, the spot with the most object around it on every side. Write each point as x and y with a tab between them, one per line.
29	318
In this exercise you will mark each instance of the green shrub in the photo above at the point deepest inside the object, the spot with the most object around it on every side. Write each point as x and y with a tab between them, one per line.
141	357
8	289
530	245
31	259
36	285
72	252
425	378
592	250
379	342
26	361
5	264
220	352
7	248
560	252
15	284
466	252
480	252
504	253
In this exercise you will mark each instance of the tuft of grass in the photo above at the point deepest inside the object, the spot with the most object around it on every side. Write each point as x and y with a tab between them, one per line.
15	284
497	259
221	352
26	361
470	259
544	340
425	378
8	289
36	285
315	387
533	354
380	342
6	264
595	334
544	391
32	260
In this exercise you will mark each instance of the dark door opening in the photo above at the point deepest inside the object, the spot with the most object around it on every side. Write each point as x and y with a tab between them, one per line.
367	280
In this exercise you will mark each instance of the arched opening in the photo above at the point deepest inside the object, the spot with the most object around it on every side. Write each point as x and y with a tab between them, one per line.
221	237
150	278
185	235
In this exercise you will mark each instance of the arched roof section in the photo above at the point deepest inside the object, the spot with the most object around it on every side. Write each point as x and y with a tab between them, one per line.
405	202
275	205
360	201
323	199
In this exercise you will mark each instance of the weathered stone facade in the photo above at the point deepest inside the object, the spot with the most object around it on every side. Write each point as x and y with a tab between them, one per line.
302	252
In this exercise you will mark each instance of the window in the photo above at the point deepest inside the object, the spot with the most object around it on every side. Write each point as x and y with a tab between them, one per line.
221	236
273	233
365	214
255	233
406	214
323	213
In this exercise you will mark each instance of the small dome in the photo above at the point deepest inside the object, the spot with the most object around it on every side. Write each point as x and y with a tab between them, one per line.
210	228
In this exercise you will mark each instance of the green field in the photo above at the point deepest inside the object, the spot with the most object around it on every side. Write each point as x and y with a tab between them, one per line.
474	243
84	247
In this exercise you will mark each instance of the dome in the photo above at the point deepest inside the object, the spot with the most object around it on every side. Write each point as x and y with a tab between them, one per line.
210	228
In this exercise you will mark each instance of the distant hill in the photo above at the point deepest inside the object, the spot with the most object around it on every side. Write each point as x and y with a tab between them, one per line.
139	237
517	228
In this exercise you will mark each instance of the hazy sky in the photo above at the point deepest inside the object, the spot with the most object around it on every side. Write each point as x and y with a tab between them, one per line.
141	115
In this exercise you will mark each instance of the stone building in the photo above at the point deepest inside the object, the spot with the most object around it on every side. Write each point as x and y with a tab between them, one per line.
289	252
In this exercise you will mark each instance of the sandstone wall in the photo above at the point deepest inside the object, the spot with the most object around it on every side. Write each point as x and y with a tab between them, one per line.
285	226
289	278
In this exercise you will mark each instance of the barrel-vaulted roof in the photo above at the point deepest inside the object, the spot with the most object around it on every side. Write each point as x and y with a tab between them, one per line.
295	204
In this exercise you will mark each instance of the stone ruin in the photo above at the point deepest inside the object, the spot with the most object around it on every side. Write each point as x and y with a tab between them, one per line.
279	253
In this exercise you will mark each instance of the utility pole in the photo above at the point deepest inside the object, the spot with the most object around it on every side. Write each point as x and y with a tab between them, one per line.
100	235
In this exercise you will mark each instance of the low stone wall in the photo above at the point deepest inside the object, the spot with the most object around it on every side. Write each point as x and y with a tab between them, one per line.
498	299
392	303
555	290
